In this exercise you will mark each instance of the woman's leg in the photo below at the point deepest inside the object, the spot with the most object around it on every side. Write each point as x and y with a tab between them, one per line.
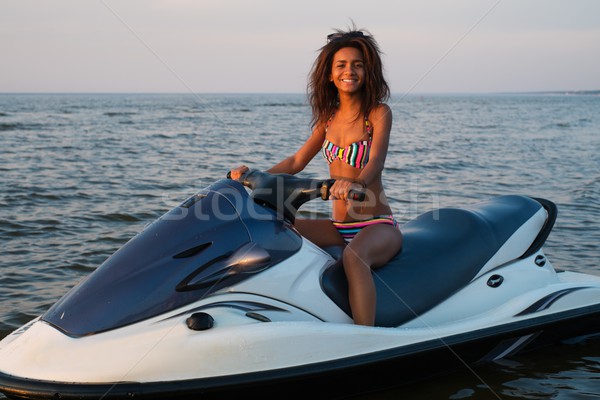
372	247
319	231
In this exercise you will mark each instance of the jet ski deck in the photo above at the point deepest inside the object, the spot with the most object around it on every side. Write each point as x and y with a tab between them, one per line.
443	250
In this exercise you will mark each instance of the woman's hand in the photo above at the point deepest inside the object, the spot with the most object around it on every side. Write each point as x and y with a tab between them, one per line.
341	188
237	173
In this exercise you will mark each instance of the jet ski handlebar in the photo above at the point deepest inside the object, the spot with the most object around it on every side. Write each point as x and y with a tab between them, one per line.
286	193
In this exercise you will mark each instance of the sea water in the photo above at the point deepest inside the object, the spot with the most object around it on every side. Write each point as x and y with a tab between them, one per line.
80	174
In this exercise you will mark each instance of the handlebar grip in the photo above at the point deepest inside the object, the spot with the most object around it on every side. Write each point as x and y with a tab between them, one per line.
356	195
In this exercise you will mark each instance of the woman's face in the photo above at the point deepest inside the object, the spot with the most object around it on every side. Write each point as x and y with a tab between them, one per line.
348	70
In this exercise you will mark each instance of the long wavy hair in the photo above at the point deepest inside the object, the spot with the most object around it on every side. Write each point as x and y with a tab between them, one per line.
323	94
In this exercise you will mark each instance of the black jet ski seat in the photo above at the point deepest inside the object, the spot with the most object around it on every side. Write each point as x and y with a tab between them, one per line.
445	249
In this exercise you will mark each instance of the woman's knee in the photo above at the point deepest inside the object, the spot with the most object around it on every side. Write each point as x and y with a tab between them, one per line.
355	256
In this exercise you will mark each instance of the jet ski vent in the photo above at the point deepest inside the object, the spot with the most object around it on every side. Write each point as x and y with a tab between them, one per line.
257	316
193	251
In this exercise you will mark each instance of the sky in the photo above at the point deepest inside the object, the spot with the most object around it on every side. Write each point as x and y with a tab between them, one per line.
268	46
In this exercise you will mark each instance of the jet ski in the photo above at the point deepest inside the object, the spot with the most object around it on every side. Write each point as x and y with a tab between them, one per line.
222	296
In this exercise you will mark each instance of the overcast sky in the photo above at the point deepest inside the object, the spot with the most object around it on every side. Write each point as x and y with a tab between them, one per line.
237	46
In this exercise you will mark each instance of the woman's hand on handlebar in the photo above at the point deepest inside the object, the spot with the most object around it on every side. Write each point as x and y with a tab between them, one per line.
238	172
342	189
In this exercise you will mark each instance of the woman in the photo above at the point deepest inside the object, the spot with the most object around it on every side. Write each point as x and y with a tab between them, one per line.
351	127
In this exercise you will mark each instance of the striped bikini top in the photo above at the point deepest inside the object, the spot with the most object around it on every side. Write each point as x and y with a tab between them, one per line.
355	154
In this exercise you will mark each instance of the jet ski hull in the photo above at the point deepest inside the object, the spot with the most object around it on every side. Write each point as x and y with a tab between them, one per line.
377	370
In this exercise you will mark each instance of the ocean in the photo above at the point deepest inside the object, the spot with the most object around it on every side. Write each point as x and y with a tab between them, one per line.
80	174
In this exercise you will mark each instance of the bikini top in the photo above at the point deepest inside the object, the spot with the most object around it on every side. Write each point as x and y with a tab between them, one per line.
355	154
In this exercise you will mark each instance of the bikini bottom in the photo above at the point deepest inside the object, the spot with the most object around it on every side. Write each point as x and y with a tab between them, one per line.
349	229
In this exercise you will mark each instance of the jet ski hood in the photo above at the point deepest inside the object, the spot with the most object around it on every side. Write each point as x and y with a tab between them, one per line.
211	241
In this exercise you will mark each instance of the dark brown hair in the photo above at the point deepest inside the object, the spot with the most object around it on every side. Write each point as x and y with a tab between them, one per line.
323	94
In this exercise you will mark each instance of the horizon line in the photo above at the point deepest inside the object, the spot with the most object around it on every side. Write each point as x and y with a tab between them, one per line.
569	91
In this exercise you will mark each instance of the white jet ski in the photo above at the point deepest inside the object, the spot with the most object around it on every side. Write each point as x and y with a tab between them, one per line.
222	296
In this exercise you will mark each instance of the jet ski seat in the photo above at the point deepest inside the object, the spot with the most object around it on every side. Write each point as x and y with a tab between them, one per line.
443	250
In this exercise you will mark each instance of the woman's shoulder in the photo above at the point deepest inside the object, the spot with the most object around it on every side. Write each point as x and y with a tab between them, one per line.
319	131
380	111
381	108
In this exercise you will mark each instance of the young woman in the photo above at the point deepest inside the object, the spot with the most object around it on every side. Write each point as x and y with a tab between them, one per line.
351	127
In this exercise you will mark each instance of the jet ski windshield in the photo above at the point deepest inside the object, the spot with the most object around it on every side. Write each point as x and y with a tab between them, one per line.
216	238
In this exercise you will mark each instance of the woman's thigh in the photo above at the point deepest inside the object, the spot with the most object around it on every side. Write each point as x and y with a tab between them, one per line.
375	245
319	231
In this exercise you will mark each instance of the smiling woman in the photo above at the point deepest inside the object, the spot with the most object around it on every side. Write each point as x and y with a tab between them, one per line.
351	127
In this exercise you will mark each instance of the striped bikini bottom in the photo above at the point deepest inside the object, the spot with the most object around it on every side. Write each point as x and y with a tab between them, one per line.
349	229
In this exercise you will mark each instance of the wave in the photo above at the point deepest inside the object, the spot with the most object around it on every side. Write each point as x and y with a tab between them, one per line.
492	126
119	113
18	126
119	217
568	124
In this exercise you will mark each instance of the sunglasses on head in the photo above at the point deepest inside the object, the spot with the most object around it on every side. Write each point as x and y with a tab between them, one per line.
332	37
